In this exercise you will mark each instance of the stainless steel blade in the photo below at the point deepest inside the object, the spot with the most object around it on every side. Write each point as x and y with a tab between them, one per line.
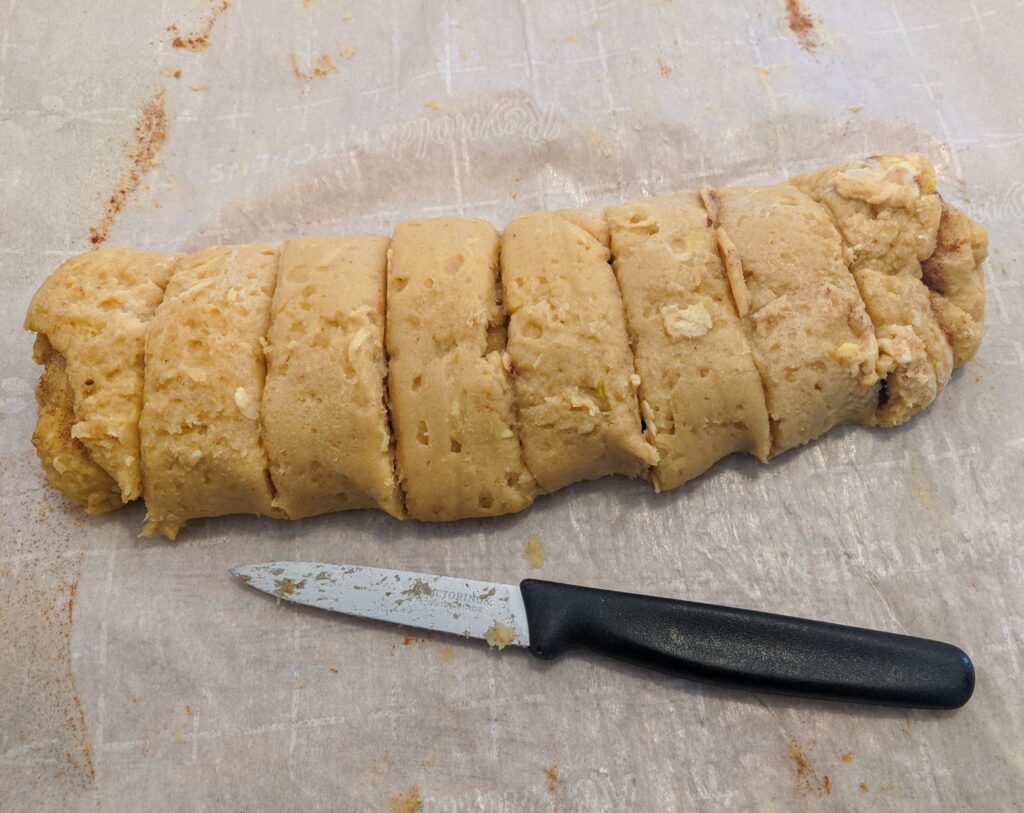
443	603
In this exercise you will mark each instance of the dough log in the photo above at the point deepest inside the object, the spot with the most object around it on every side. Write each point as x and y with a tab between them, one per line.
450	371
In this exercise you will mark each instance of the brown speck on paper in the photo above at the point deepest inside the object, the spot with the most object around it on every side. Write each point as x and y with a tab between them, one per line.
408	802
863	787
199	39
408	640
664	68
803	24
847	756
171	71
141	154
551	772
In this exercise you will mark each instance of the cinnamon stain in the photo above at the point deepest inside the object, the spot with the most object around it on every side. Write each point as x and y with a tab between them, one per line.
42	717
804	775
199	40
551	772
847	756
141	156
803	24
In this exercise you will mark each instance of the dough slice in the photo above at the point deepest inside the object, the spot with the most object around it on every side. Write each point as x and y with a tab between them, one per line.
574	382
325	428
811	337
888	215
453	417
201	450
953	273
91	316
701	390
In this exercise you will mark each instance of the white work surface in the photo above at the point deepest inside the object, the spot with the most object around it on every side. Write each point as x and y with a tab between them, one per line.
136	675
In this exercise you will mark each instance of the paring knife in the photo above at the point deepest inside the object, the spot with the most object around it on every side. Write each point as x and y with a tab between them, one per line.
721	645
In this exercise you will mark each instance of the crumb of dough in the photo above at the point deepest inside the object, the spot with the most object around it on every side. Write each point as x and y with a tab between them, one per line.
570	38
691	321
346	16
534	553
347	51
332	669
664	68
499	635
408	802
432	105
323	66
200	86
189	711
285	587
171	71
847	756
855	108
298	683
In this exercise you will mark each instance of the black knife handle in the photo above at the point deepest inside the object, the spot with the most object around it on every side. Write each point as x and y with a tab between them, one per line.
746	649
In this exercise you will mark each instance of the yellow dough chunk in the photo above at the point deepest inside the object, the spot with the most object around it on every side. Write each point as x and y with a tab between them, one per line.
91	316
701	391
205	369
811	337
453	417
953	273
890	218
325	428
575	386
66	462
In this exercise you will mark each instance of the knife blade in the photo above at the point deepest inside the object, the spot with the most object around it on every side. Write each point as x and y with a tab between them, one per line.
725	646
467	607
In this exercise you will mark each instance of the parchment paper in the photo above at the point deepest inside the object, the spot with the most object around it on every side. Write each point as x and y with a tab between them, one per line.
136	675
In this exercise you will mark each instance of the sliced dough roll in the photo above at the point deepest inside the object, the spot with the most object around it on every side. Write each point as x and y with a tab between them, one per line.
888	214
91	316
457	451
205	369
702	394
575	387
811	337
325	428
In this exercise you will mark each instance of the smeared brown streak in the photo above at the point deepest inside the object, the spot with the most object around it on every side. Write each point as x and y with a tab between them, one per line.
42	718
149	137
200	39
76	719
803	24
